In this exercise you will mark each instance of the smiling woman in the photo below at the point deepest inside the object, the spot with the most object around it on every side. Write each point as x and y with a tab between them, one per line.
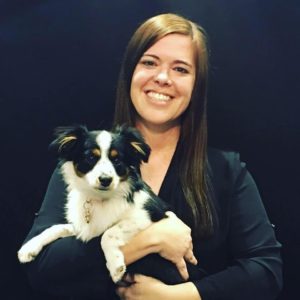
182	47
163	81
221	219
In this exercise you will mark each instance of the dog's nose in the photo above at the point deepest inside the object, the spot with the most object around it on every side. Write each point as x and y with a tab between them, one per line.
105	181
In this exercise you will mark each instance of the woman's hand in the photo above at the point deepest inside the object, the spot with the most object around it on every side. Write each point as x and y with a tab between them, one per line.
174	242
169	237
142	288
148	288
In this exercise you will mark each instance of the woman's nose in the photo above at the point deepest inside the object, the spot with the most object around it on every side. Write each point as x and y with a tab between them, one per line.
163	78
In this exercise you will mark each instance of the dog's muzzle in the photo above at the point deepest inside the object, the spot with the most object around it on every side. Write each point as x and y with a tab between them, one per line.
105	182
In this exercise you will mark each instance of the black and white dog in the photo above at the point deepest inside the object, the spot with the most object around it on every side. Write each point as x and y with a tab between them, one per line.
105	194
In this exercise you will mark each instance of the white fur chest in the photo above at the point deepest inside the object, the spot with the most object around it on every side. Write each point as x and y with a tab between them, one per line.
103	214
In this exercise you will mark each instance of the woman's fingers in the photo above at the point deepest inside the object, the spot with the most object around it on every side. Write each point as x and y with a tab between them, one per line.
181	266
175	242
190	257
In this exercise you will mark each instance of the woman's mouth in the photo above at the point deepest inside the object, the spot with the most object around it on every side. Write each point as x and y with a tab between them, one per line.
158	96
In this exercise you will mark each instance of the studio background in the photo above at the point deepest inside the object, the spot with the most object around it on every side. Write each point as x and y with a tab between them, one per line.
59	65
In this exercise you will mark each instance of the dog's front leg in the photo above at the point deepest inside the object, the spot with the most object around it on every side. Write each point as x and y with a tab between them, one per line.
115	237
33	247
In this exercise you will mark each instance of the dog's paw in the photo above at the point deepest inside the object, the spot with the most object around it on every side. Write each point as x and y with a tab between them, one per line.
116	267
118	273
28	252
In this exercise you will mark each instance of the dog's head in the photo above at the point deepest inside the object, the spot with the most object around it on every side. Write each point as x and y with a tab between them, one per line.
99	159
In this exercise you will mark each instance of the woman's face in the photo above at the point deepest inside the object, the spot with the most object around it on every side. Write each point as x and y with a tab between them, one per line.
163	81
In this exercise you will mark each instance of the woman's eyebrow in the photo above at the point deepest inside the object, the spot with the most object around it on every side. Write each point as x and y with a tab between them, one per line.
151	55
177	61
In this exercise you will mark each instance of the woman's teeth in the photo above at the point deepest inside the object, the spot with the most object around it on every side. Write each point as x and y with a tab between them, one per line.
158	96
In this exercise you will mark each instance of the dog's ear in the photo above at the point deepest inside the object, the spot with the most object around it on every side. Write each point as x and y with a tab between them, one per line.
138	149
68	141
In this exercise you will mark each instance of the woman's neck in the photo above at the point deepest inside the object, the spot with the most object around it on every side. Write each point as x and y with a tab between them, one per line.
163	142
159	138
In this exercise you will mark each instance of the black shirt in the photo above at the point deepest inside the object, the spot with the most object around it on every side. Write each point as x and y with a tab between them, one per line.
242	258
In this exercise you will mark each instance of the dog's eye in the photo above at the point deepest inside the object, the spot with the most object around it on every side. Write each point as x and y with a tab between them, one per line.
115	159
91	158
114	156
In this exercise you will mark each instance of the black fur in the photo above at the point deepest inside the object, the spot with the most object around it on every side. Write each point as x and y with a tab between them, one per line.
78	148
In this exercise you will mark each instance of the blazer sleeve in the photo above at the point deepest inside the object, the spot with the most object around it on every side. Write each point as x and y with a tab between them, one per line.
255	269
68	266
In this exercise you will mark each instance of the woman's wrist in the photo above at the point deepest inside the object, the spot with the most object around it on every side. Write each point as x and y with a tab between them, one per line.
182	291
139	246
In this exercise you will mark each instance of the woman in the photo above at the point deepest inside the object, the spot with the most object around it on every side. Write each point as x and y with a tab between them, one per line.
162	91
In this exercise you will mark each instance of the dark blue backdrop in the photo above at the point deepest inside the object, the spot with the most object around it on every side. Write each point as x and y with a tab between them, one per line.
59	65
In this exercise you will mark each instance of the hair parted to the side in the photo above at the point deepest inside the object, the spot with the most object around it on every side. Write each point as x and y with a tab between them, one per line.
193	167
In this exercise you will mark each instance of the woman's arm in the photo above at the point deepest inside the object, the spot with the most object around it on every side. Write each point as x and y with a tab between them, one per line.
254	270
170	238
66	267
148	288
70	267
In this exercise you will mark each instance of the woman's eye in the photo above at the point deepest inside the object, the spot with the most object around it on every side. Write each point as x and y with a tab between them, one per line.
148	63
181	70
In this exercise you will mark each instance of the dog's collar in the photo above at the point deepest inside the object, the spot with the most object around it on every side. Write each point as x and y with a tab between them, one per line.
87	210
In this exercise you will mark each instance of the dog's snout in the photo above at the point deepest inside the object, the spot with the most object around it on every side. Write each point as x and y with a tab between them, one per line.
105	181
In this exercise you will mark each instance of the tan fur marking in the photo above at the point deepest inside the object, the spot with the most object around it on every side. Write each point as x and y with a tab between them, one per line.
137	146
96	152
125	176
78	173
66	140
114	153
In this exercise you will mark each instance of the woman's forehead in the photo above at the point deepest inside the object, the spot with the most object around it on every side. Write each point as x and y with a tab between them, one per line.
177	47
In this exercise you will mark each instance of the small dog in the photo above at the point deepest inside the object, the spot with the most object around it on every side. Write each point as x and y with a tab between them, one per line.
105	193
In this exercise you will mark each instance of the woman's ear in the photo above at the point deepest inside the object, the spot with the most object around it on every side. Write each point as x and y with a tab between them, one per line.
68	141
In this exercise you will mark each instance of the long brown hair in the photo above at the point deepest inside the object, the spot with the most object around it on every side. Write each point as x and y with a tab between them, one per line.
193	167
